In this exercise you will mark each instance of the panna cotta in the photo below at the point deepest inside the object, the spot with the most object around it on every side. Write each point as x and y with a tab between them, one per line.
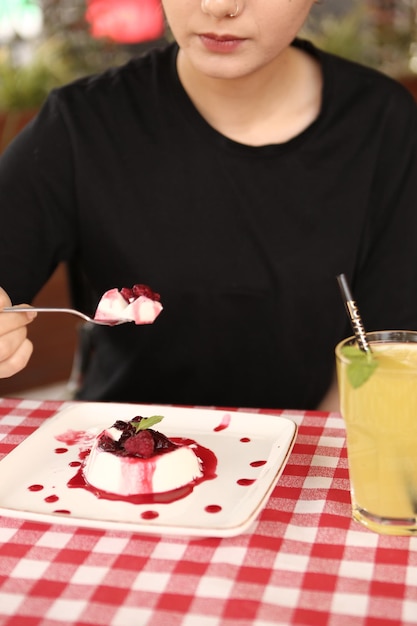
139	304
130	458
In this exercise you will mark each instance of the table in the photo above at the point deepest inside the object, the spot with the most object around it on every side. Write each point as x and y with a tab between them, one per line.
304	562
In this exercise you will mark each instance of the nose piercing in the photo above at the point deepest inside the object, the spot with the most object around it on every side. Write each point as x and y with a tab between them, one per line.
236	11
234	14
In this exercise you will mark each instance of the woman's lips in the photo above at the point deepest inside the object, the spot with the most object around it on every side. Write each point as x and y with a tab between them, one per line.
220	43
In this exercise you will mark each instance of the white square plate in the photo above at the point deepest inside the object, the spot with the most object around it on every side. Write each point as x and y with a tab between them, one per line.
251	449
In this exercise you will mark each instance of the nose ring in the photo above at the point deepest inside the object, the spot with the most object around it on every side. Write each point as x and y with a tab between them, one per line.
236	11
234	14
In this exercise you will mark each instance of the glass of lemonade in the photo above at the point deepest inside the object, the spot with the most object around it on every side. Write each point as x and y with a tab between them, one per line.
378	402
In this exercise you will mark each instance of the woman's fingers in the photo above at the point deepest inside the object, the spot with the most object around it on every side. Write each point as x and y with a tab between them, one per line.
12	362
15	347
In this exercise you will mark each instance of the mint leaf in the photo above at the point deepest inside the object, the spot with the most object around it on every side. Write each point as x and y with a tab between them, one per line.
361	366
146	422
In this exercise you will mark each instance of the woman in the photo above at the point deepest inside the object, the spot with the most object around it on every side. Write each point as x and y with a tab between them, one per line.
236	172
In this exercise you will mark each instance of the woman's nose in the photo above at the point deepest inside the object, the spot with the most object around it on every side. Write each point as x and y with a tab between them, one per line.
221	8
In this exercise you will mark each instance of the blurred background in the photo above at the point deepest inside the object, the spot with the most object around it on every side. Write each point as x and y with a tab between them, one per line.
47	43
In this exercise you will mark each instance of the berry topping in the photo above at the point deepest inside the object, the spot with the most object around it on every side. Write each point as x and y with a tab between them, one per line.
144	290
162	442
107	443
141	444
139	290
126	293
137	438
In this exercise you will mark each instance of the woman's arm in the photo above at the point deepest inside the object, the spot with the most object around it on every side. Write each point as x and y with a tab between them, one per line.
330	401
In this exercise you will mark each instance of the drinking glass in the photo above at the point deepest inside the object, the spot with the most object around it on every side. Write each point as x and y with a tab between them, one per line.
378	402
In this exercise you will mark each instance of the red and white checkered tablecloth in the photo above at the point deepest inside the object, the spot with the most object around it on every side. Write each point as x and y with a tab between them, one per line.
303	563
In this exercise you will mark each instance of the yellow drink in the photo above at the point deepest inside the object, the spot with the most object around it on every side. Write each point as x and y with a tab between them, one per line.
381	426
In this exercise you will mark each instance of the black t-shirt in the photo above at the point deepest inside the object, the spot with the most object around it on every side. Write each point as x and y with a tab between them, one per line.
243	243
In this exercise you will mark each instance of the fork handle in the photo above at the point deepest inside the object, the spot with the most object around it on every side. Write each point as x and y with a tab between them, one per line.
39	309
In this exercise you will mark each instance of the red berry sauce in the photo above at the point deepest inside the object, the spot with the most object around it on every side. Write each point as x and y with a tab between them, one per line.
149	515
213	508
51	499
224	423
257	463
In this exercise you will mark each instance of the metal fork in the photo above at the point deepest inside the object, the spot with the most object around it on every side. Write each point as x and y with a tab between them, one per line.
86	318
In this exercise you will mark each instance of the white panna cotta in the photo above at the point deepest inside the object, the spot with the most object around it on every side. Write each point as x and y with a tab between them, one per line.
139	305
130	475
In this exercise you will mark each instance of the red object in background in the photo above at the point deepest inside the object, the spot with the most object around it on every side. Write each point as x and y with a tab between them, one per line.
125	21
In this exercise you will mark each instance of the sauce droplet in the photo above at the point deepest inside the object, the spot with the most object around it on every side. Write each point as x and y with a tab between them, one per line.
35	487
245	482
224	423
257	463
213	508
72	437
51	499
149	515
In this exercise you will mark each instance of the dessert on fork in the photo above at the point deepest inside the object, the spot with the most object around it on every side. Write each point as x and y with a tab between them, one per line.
138	304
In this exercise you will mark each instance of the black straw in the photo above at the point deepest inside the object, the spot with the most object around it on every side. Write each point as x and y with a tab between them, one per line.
353	313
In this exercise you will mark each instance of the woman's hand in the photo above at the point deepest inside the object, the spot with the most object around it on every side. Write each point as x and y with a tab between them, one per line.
15	347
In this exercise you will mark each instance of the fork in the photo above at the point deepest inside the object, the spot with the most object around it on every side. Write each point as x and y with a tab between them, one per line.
86	318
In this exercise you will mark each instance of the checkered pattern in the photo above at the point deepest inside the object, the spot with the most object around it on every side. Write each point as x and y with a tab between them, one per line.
304	562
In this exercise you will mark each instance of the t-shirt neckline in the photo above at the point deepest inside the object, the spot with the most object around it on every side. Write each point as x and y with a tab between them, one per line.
194	117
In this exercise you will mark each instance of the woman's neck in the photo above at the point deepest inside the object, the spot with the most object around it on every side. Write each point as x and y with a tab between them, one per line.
270	106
